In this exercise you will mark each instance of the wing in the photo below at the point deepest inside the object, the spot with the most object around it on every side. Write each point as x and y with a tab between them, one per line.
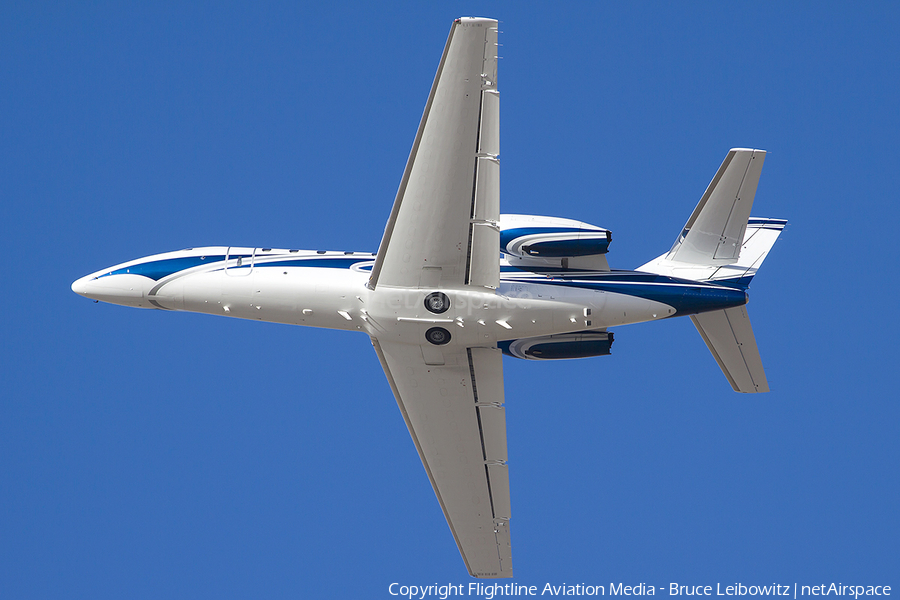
452	401
443	229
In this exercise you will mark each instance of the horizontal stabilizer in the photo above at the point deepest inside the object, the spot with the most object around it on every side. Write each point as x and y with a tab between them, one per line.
759	237
729	337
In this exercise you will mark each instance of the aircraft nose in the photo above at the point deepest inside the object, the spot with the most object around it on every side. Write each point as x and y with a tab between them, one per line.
125	289
80	286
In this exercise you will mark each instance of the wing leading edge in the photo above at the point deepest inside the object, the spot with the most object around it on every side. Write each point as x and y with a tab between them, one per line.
455	415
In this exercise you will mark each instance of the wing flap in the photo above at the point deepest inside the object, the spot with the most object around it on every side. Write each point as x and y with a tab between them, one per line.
484	248
455	415
489	137
488	393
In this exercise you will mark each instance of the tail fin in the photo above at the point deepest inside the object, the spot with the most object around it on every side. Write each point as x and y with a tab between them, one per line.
721	243
713	234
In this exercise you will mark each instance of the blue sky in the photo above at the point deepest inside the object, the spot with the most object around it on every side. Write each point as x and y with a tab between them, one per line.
146	454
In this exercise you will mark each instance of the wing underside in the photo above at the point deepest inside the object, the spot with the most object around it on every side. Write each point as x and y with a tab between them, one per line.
443	229
455	415
443	232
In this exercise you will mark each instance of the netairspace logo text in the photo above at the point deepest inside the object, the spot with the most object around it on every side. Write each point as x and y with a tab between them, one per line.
490	591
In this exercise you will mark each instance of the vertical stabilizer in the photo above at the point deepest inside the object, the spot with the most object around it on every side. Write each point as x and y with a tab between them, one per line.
729	336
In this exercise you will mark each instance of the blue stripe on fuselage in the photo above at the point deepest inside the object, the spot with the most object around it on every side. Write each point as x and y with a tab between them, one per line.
685	296
157	269
685	299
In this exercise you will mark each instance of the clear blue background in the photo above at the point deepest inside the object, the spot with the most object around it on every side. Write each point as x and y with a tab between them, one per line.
147	454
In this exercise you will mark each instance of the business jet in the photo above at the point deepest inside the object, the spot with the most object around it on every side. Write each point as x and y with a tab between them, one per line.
454	285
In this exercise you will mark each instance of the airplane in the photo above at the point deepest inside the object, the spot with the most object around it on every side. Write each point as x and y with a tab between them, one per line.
455	285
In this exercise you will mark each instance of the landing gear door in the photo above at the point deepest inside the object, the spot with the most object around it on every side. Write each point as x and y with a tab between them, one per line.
239	261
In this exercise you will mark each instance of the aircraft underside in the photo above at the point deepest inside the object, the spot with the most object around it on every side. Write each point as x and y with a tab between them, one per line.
329	290
455	284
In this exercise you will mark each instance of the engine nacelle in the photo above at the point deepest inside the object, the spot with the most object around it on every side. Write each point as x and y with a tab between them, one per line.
527	236
559	347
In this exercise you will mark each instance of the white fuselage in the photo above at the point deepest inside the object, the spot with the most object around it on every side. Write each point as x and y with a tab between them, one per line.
329	290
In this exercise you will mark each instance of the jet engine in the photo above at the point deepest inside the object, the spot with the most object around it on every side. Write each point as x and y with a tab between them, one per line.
528	236
558	347
528	240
